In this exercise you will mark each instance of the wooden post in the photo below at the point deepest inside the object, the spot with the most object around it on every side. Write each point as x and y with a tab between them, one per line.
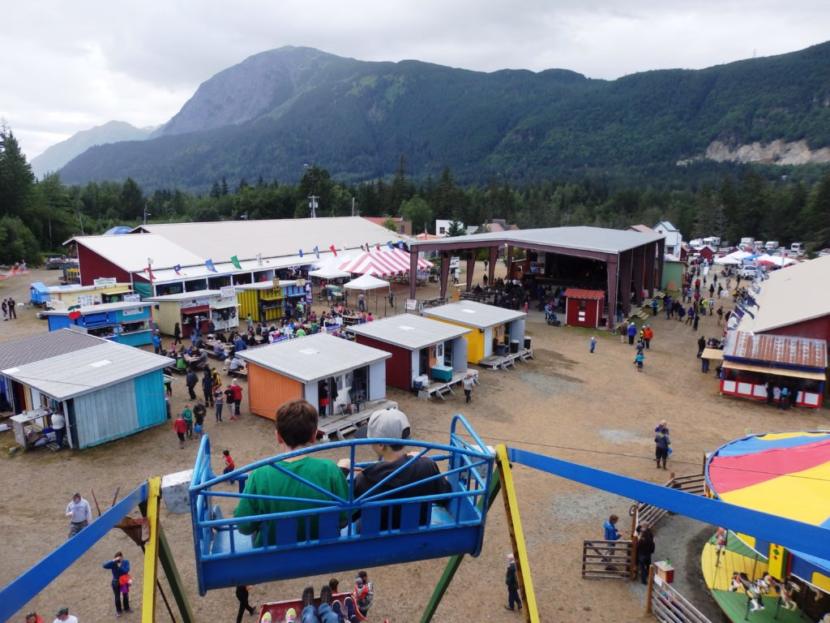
649	588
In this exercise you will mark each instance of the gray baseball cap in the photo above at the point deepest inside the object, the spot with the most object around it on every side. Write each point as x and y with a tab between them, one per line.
388	423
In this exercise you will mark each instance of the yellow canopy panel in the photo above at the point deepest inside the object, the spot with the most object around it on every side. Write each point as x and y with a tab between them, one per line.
712	353
797	374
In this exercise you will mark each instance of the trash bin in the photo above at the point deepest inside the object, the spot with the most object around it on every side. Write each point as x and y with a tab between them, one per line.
514	346
527	343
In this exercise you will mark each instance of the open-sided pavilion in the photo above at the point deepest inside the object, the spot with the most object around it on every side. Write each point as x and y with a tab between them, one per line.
632	260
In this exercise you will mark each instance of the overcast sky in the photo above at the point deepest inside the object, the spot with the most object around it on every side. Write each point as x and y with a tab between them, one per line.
70	66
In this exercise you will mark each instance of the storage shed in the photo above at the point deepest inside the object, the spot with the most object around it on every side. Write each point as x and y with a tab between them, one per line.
104	390
127	322
583	308
419	346
202	306
327	371
494	330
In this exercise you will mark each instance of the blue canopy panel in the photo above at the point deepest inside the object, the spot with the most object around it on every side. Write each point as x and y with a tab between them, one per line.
321	538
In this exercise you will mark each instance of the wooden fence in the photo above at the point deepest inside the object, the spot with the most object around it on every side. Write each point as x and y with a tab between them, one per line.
667	605
607	559
651	515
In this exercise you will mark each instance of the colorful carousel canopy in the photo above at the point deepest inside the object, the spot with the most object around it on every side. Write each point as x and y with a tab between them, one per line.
785	474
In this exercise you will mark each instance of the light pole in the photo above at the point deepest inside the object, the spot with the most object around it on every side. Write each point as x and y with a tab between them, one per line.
313	204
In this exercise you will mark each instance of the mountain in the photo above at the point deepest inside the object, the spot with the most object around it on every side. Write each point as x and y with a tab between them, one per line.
277	110
56	156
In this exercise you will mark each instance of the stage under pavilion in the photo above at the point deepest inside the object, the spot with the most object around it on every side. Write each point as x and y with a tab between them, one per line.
613	260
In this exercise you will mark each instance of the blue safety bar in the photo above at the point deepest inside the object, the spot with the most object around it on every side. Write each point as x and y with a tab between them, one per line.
326	536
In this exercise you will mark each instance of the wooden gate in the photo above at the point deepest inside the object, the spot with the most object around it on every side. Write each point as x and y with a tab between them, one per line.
607	559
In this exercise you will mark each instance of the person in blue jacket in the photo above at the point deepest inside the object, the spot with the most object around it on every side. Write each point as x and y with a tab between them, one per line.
119	566
632	332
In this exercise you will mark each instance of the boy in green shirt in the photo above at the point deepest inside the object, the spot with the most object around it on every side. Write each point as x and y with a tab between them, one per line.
296	426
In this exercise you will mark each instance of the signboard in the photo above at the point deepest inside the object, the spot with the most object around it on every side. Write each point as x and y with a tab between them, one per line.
133	311
132	298
227	292
104	282
85	300
200	302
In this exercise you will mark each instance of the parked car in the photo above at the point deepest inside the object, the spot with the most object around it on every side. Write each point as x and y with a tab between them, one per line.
748	272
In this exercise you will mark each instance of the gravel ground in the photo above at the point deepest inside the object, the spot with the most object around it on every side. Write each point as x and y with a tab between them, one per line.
594	409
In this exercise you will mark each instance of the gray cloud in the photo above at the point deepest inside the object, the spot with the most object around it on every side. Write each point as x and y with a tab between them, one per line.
68	67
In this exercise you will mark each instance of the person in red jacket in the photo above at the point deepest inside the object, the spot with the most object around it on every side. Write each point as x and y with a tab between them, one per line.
236	396
180	426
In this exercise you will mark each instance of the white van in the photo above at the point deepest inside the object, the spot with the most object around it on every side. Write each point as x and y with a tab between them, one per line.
771	245
797	248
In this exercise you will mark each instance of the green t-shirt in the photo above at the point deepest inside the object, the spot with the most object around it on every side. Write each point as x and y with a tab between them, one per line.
267	480
187	415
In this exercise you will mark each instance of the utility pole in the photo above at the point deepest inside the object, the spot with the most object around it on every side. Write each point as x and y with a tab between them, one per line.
312	205
354	208
146	213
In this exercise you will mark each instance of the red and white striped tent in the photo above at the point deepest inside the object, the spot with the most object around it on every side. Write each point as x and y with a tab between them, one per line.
382	263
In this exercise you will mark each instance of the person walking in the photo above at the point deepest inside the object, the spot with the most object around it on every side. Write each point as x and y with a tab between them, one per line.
662	443
218	401
610	533
199	412
228	460
187	416
467	384
632	332
12	308
236	394
5	306
645	549
514	601
701	346
242	594
207	387
191	380
639	360
79	513
648	335
592	344
177	334
180	427
156	342
119	566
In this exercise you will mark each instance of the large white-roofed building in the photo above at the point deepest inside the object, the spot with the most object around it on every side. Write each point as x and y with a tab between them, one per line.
199	256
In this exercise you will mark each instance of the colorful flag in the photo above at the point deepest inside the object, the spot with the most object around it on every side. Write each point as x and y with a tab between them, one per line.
389	244
333	250
317	252
301	253
402	245
177	269
235	262
377	246
209	265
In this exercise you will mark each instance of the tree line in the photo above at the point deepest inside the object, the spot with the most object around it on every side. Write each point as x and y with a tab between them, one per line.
37	216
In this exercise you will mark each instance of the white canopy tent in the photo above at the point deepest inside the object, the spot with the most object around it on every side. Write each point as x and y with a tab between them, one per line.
733	259
366	282
329	271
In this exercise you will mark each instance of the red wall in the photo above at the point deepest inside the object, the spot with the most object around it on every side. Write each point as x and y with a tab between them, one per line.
93	266
818	328
591	313
398	366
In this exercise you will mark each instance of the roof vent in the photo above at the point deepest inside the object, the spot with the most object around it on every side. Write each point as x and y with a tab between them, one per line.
100	364
309	351
468	311
404	327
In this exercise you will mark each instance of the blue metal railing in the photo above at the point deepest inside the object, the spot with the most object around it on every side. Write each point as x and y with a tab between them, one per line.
469	467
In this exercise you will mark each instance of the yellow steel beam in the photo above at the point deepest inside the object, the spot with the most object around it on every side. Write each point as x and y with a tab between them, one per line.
517	537
151	551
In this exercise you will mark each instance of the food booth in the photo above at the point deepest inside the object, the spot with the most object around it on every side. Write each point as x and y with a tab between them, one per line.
200	307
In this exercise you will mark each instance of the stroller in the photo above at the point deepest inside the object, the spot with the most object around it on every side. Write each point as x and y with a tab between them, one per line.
551	319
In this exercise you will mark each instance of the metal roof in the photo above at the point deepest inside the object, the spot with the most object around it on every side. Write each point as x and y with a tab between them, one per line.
409	331
313	357
86	370
582	238
274	238
184	296
791	295
22	351
131	252
778	350
98	309
473	314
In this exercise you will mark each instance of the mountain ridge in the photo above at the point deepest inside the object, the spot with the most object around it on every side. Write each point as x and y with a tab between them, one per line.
278	109
56	156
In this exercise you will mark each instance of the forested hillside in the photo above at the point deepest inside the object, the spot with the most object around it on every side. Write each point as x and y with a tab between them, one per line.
275	111
734	202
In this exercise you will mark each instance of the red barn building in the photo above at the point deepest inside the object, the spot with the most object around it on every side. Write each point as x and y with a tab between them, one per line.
583	308
419	346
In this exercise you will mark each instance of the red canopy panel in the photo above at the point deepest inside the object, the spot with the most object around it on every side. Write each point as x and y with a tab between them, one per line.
577	293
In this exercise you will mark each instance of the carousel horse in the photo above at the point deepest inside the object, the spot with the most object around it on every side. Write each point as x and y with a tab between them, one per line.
786	590
752	589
